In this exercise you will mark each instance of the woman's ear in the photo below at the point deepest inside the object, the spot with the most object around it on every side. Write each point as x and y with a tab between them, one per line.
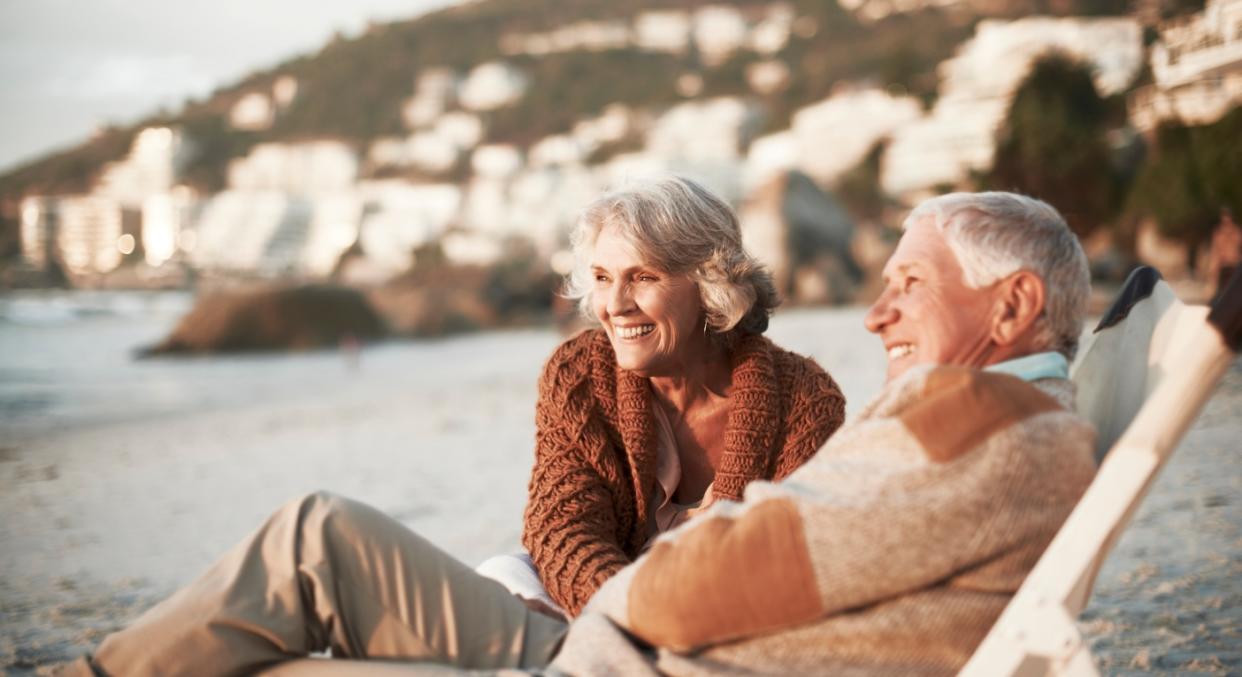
1020	300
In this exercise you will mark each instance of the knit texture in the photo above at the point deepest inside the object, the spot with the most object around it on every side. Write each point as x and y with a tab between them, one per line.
892	552
592	488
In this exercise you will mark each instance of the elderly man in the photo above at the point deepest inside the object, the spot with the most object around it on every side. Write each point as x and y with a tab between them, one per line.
895	549
891	552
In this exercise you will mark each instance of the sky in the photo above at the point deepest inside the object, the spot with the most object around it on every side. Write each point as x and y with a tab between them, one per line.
69	66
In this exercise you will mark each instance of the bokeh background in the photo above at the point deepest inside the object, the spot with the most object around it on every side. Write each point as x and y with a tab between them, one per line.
249	250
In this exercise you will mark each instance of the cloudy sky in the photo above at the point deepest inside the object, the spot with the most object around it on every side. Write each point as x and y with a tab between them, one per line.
68	66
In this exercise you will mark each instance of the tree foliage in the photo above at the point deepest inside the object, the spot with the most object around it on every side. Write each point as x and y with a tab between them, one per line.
1189	175
1053	144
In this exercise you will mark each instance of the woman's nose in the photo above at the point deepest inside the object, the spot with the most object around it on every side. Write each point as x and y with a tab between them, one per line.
619	300
880	315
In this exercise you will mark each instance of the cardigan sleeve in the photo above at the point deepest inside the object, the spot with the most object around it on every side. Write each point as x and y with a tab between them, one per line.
571	521
814	410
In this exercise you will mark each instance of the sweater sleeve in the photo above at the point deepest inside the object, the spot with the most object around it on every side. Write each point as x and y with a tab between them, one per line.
814	410
571	523
841	534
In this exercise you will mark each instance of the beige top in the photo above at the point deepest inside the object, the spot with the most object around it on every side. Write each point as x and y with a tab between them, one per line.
669	514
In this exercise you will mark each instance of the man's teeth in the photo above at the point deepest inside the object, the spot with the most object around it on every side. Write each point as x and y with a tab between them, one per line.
635	332
900	351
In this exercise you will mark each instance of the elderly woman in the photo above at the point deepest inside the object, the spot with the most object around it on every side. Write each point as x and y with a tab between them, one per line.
676	401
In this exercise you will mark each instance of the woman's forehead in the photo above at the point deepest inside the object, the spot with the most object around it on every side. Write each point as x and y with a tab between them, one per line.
615	248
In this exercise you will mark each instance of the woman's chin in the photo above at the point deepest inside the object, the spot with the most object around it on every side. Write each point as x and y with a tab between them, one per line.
632	358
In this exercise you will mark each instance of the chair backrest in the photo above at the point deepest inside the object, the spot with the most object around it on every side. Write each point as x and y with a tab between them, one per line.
1143	377
1122	360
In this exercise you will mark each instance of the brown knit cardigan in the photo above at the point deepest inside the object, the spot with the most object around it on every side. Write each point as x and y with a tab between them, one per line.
591	490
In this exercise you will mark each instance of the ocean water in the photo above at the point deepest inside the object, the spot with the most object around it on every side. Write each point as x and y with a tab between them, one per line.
121	478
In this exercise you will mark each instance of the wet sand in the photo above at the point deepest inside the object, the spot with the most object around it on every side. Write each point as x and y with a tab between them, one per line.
121	481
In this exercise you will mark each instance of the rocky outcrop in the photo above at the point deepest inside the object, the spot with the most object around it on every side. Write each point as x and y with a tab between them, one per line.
805	238
290	318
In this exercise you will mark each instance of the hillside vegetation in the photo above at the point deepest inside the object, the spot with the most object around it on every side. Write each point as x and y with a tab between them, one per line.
352	89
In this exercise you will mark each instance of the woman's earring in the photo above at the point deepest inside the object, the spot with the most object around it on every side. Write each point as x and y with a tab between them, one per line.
705	326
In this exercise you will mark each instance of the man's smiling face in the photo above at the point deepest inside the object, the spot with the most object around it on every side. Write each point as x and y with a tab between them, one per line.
927	314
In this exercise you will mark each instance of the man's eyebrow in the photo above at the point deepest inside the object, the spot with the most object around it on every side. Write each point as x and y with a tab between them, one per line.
906	267
900	269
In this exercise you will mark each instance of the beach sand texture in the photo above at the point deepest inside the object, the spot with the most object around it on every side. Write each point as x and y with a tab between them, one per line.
121	480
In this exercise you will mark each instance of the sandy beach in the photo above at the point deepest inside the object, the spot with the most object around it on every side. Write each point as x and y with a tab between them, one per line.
121	480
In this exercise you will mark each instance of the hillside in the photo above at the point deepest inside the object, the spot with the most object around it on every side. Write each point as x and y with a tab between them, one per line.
353	89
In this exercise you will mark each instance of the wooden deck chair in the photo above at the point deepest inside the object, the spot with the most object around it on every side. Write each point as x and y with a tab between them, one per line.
1143	376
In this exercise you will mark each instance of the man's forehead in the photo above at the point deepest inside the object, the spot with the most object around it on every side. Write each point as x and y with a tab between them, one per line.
919	239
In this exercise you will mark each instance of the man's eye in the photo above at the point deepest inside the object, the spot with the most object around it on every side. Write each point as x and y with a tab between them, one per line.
909	282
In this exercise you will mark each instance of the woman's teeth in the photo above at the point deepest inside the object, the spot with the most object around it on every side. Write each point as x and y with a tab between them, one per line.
635	332
900	351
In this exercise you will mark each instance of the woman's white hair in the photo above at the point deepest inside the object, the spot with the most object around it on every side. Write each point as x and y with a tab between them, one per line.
680	227
996	234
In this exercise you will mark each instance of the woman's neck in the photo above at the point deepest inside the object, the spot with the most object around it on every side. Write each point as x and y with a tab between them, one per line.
710	374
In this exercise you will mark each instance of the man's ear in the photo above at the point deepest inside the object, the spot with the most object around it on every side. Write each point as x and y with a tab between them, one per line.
1019	305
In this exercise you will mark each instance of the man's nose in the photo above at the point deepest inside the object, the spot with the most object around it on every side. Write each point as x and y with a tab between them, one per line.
880	315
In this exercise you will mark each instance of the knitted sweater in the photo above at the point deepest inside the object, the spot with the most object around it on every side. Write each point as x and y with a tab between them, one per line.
593	484
892	552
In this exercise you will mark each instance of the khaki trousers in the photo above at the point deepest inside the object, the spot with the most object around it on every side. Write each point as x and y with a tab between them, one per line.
325	572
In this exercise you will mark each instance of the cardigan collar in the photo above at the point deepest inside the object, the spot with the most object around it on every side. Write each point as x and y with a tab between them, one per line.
750	432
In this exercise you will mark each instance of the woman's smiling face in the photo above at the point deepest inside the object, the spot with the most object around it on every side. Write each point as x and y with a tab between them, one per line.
653	318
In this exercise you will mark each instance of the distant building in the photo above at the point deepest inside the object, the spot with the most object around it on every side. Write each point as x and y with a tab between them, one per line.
152	167
165	219
303	168
284	91
38	231
434	92
85	234
238	230
771	34
959	135
399	216
719	31
257	110
708	131
1197	68
663	31
492	85
499	161
849	122
252	112
589	36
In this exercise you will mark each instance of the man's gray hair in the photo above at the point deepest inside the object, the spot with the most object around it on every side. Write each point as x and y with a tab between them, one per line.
680	227
997	234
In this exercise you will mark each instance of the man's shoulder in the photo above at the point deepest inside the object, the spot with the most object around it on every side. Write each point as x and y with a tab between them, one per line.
951	410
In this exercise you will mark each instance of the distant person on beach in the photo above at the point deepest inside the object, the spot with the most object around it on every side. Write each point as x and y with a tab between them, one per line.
675	401
892	550
1225	253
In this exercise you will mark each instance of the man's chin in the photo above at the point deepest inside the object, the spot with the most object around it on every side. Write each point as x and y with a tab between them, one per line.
896	371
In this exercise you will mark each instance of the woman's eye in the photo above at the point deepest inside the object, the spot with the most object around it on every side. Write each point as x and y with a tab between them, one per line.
647	277
601	279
